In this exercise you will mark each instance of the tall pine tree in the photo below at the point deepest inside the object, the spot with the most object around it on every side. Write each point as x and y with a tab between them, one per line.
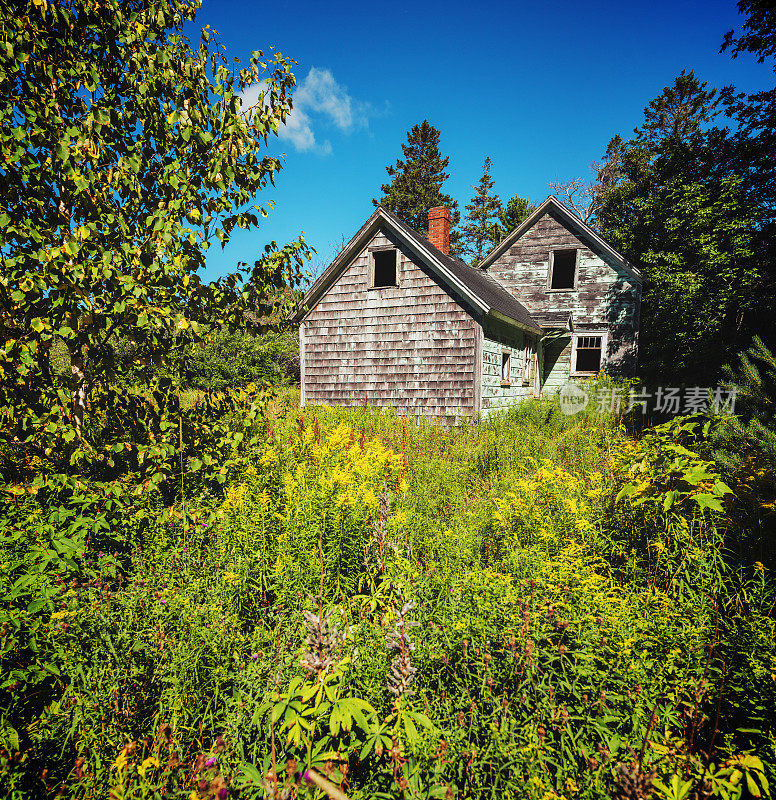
416	184
480	231
511	214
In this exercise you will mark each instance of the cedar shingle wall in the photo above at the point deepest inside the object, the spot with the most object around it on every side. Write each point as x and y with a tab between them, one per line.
410	346
605	293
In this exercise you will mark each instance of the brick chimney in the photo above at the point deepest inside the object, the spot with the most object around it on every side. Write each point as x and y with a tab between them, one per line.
439	228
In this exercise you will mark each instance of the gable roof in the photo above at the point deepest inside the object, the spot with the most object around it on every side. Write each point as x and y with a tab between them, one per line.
478	288
552	204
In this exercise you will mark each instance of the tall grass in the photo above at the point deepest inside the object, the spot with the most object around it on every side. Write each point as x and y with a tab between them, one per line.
545	639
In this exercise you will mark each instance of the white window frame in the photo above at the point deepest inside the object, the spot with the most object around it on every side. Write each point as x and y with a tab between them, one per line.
537	381
508	380
604	334
552	266
528	354
371	259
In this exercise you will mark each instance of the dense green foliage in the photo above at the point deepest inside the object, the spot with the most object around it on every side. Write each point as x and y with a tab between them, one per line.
753	432
479	231
680	212
228	359
692	204
126	153
223	359
755	114
416	182
544	638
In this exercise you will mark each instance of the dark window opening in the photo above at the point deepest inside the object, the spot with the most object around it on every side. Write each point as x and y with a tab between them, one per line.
385	267
506	367
564	267
588	354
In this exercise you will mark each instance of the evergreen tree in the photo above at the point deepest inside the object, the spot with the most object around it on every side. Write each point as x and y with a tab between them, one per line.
479	234
675	118
753	429
512	214
417	179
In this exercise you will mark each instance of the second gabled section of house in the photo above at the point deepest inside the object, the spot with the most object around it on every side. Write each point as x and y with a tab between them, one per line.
583	293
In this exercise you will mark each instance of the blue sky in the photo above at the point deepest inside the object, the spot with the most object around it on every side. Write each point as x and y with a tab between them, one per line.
539	87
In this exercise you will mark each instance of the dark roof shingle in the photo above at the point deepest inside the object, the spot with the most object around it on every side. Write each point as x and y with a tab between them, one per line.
478	281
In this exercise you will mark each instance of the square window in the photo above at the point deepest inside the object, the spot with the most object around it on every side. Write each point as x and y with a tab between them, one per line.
589	350
384	265
506	367
563	269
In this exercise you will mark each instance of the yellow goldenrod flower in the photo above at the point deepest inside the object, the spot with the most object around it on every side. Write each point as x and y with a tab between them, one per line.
149	762
121	759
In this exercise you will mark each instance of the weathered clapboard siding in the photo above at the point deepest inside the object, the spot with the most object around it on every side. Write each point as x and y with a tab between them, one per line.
410	346
498	339
556	364
606	295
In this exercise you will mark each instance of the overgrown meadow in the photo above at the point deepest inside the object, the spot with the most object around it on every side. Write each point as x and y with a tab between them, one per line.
372	606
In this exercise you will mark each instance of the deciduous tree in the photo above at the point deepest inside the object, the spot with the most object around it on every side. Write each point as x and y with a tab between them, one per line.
676	209
126	152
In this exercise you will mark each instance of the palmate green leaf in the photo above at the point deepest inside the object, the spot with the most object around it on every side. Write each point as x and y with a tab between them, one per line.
697	474
706	500
359	709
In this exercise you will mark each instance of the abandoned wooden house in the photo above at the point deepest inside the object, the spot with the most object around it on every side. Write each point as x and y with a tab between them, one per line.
395	320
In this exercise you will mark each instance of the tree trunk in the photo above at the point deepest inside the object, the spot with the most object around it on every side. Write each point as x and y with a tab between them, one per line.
79	395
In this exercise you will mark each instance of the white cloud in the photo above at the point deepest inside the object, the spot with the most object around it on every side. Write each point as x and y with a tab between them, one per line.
253	94
318	100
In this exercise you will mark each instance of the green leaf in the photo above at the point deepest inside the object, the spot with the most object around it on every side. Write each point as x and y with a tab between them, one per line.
411	731
627	491
708	501
9	737
751	784
36	605
421	719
